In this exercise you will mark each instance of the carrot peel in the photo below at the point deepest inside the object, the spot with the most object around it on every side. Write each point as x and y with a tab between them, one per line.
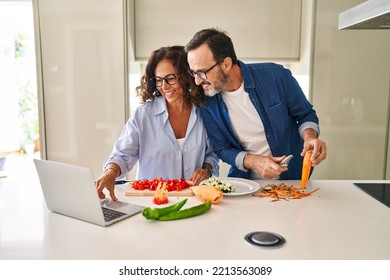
283	192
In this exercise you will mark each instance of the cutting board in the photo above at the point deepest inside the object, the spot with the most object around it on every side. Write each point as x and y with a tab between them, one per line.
133	192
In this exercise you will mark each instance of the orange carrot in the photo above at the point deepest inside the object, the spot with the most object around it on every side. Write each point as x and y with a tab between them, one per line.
306	168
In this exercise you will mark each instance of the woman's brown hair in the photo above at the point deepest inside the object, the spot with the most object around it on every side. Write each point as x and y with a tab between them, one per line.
193	94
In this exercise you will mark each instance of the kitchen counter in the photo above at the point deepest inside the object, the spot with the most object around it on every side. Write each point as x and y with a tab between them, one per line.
339	221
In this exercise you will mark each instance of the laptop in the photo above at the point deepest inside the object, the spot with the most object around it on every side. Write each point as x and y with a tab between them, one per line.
70	190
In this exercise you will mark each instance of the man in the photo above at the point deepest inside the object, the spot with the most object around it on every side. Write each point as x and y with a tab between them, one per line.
256	114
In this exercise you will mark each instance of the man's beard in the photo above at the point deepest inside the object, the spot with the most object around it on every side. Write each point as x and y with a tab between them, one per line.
220	85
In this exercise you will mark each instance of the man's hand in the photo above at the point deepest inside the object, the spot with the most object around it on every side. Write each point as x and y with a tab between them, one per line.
311	142
267	167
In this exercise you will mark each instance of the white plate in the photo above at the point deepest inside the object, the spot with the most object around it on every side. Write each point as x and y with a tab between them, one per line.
241	186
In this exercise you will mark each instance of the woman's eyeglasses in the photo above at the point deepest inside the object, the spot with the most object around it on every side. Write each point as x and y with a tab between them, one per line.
201	73
170	79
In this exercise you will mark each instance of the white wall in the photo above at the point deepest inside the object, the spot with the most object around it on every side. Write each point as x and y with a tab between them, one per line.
260	29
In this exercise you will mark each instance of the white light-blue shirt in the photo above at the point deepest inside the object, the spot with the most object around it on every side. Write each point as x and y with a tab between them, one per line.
149	139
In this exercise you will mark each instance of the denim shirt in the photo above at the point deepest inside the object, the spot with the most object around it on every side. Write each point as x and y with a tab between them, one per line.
281	106
148	138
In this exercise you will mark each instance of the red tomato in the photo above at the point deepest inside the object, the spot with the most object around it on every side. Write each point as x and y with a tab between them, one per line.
172	184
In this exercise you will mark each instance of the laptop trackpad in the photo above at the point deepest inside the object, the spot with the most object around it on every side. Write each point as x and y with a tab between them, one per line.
121	206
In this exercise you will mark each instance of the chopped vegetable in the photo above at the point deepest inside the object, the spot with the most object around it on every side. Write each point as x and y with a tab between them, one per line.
187	213
161	194
208	193
282	191
306	166
268	188
223	186
172	184
153	214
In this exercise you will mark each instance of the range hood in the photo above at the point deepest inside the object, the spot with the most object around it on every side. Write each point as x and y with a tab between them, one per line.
372	14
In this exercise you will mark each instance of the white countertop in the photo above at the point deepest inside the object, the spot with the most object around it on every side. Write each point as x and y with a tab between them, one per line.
339	221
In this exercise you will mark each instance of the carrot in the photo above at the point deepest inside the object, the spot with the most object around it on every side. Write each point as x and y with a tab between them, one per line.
306	168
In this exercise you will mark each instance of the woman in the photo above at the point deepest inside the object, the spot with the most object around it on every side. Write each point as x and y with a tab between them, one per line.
166	133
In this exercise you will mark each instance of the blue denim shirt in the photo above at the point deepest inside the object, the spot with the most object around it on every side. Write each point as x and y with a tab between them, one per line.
149	139
281	106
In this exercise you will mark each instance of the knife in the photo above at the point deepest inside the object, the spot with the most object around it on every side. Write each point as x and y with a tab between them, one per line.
120	182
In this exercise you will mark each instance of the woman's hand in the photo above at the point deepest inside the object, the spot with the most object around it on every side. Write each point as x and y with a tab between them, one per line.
199	175
106	180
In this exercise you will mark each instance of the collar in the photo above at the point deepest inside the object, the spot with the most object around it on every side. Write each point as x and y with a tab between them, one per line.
247	75
159	106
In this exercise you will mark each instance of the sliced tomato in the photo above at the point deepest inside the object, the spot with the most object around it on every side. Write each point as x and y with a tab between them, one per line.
172	184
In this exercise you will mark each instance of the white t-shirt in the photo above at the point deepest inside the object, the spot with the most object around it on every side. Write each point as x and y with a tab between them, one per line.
181	141
246	124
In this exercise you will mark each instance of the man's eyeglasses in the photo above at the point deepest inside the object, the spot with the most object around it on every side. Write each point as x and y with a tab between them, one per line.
170	79
200	73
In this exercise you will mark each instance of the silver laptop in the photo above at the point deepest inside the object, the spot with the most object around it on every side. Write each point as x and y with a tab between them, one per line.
70	190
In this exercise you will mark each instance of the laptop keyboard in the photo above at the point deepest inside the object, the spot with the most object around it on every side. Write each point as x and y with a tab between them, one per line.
110	214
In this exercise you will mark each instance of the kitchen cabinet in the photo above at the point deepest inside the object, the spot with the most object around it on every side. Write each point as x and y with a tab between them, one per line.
350	92
260	29
83	81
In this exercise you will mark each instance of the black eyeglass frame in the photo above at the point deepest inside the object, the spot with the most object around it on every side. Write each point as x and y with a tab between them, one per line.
156	81
199	73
